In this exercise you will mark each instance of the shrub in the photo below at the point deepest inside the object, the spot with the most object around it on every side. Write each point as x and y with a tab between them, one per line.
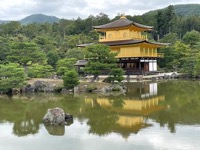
70	79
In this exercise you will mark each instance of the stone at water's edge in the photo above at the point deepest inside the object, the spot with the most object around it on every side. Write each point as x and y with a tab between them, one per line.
56	116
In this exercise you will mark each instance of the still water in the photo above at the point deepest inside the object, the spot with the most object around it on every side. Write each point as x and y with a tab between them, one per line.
151	116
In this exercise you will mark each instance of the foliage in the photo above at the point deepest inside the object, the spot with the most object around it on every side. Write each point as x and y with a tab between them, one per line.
40	71
64	65
165	21
191	62
52	58
12	76
183	56
191	38
12	27
25	53
187	10
70	79
100	59
75	53
116	74
4	44
171	38
51	43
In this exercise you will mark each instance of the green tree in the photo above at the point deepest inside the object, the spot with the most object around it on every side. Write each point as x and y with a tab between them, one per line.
31	30
174	56
166	21
75	53
64	65
11	76
170	19
40	71
116	74
26	54
160	22
4	44
11	28
102	18
70	79
52	58
196	71
191	38
182	53
100	59
171	38
190	60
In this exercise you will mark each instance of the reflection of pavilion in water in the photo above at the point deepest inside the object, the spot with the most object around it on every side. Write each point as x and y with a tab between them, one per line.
132	114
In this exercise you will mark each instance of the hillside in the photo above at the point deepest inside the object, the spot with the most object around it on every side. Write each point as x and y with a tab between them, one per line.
187	10
39	18
184	10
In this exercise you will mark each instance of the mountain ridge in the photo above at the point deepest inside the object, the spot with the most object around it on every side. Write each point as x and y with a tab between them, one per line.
39	18
184	10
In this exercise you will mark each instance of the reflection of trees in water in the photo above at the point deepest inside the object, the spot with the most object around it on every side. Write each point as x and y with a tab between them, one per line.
101	121
184	108
25	127
117	101
58	130
182	97
26	112
27	115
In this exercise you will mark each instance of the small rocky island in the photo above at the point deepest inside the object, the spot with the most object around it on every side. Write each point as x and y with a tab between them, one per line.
57	116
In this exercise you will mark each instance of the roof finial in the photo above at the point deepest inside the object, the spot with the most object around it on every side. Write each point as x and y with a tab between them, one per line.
123	16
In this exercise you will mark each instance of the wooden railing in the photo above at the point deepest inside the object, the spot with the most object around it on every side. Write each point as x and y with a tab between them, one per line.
104	39
151	55
160	55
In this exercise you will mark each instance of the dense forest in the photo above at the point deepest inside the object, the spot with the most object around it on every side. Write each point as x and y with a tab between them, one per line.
47	49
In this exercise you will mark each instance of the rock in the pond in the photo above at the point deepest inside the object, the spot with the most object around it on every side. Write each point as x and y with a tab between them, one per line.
56	116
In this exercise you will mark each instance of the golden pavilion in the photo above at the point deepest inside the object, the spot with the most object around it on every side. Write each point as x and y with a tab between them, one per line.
136	54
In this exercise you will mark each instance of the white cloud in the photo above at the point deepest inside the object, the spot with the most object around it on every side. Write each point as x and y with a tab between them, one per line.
17	9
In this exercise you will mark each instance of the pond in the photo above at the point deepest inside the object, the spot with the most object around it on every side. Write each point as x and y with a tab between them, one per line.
152	115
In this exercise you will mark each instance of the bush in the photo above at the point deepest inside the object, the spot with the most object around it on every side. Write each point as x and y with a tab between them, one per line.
116	74
11	76
70	79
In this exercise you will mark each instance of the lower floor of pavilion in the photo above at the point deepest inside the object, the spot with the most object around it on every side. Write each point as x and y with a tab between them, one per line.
138	66
131	66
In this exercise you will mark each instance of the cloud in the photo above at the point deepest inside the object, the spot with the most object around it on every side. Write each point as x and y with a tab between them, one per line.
77	136
18	9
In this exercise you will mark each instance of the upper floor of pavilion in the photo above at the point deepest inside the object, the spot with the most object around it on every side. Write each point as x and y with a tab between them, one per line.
122	29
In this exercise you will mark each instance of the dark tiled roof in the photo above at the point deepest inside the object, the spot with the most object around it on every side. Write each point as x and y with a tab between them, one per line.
125	42
129	42
122	22
81	63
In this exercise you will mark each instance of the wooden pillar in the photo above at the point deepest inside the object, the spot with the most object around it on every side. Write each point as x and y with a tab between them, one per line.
140	67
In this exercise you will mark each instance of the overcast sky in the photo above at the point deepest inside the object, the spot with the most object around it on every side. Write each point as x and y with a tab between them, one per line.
69	9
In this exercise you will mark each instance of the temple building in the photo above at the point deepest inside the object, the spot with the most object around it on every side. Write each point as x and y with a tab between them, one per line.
136	54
